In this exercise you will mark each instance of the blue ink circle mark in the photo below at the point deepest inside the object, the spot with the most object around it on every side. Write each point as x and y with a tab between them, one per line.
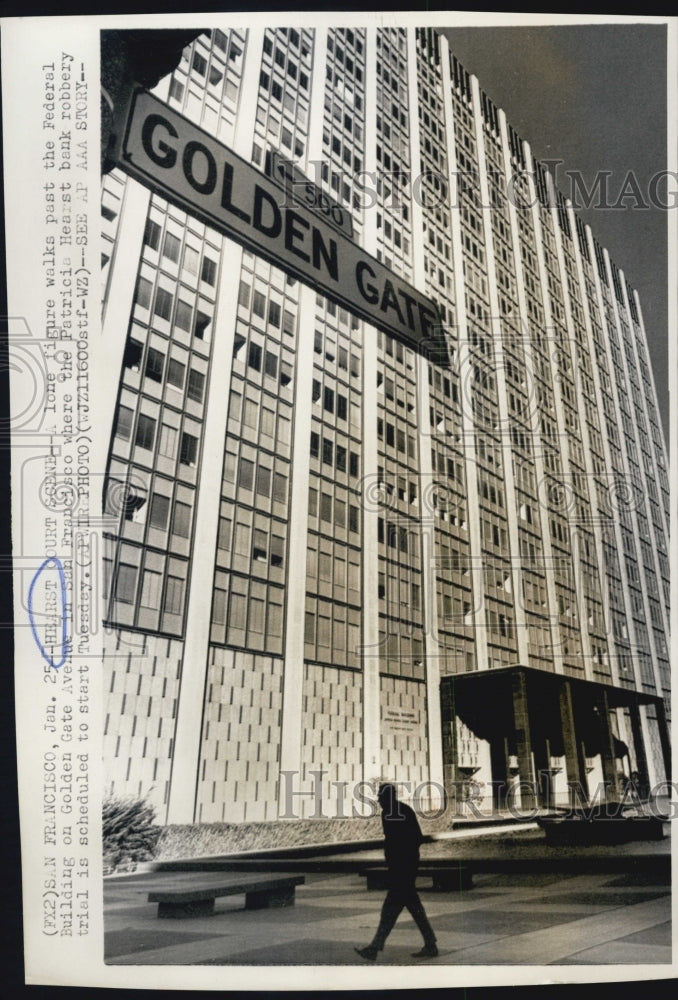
50	563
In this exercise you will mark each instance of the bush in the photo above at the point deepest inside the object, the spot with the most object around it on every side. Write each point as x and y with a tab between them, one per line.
129	831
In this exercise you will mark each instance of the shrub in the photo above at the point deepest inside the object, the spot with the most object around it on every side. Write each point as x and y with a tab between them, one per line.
129	831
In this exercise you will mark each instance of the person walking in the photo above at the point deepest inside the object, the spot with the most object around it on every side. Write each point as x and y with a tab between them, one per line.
402	837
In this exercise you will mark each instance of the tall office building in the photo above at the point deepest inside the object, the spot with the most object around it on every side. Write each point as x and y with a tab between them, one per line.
330	551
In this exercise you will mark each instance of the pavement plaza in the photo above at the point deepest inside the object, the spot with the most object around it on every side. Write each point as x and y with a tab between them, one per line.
508	918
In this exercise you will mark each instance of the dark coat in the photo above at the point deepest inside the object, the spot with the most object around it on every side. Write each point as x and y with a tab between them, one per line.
402	837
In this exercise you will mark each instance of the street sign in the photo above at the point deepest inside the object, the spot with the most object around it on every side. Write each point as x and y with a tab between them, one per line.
188	167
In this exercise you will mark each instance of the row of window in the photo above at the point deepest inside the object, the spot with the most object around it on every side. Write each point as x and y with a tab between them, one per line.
247	612
332	510
185	317
171	249
146	589
155	369
145	436
335	455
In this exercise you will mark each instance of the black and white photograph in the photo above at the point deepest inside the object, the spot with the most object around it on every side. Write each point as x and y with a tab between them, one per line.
341	497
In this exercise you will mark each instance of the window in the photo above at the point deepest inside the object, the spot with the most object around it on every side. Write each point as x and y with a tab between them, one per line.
182	317
328	452
274	313
280	487
325	567
260	546
171	247
196	385
189	449
246	474
288	322
315	445
244	294
263	481
219	607
354	464
176	373
353	518
199	64
202	321
176	90
123	424
145	435
181	521
163	303
224	537
174	595
159	511
242	539
152	234
191	260
155	364
126	583
271	364
142	293
250	413
209	271
254	357
259	304
277	551
168	441
257	615
309	627
150	589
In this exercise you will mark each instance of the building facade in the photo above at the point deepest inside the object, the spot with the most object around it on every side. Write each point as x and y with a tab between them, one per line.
333	558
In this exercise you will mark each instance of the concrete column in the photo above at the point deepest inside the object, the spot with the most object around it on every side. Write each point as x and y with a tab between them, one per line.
607	758
448	723
183	793
467	429
499	758
370	462
515	560
428	550
574	760
639	744
523	736
664	737
291	735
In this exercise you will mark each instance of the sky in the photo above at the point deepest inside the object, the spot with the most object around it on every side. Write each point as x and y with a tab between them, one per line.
593	96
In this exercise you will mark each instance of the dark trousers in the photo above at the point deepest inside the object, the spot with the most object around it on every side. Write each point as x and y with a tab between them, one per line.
402	895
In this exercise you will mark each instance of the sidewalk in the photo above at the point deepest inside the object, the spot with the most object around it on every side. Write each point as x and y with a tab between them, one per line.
507	918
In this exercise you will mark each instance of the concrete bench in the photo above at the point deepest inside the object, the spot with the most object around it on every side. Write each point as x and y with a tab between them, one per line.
197	900
443	879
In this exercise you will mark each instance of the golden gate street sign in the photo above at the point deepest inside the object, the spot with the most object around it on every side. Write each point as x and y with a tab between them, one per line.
187	166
